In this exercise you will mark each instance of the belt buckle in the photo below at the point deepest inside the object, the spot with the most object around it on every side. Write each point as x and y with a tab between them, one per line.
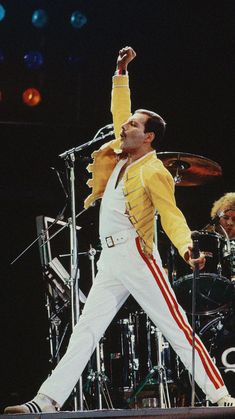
109	241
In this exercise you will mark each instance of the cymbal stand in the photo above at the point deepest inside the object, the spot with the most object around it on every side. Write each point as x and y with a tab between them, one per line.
99	374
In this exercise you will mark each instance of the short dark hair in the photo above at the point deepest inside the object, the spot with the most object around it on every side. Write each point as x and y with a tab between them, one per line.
155	123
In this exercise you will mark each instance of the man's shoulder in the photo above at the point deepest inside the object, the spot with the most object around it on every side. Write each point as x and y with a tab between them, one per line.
155	167
154	164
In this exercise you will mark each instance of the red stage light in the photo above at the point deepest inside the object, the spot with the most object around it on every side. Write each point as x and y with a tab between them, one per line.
31	97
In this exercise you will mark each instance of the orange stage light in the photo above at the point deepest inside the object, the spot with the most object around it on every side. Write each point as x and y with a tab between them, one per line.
31	97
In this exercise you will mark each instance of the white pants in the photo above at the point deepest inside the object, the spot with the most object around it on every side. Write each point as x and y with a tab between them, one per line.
124	269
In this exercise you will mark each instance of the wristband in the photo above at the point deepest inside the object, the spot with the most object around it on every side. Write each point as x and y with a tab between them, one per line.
121	72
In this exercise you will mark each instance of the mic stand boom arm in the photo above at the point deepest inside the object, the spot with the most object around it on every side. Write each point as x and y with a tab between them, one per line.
98	137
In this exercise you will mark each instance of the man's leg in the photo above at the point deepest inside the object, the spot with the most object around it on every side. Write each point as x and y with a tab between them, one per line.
150	286
105	298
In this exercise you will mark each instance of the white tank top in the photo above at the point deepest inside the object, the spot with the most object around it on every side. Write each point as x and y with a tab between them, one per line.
113	216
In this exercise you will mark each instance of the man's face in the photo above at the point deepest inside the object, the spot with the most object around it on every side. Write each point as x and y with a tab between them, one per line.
228	220
132	134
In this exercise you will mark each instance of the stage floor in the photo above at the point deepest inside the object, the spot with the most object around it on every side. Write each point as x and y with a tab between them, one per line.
175	413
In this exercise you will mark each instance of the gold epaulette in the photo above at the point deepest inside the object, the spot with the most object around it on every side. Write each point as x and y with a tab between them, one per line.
104	161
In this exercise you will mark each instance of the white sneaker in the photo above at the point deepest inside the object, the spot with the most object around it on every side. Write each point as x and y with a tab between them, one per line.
39	404
226	401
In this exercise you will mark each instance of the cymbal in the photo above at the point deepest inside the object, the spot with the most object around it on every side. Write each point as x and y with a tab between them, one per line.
190	169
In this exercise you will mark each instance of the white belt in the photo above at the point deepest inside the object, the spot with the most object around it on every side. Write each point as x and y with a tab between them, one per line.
118	238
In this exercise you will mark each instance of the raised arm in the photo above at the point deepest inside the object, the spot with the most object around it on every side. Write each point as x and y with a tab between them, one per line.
121	102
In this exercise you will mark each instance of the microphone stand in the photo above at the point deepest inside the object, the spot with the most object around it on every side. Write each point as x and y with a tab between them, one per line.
69	157
195	254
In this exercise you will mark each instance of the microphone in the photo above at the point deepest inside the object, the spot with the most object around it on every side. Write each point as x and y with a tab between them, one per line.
215	220
109	126
195	251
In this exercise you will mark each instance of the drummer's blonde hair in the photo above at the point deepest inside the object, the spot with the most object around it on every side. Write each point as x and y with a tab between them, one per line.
227	199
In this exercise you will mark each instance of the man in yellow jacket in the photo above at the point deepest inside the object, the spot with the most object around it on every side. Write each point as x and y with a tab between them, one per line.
133	185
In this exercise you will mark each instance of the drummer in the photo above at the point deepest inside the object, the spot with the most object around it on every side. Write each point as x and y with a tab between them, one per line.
223	213
224	209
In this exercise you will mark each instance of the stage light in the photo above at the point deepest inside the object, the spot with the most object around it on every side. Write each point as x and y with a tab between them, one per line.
78	19
31	96
33	59
2	12
39	18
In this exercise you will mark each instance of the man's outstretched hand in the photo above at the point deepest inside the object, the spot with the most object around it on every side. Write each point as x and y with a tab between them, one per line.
200	261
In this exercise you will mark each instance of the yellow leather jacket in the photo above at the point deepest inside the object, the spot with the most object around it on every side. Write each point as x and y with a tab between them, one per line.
148	185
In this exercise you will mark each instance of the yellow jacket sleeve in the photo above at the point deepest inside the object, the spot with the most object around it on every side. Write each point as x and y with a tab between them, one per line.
120	103
160	186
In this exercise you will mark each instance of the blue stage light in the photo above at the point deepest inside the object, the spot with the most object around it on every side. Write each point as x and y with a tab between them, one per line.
78	19
2	12
39	18
33	59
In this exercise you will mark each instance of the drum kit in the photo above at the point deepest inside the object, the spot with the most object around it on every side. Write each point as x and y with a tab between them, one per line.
137	361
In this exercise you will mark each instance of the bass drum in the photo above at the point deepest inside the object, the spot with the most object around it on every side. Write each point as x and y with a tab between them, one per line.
117	354
214	291
219	337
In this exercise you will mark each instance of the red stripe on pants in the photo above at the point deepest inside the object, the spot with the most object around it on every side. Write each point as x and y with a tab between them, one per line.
174	309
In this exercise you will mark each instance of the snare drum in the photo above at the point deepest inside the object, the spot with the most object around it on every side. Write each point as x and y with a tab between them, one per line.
214	291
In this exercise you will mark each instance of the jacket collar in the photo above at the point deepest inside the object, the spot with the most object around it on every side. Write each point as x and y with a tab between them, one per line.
142	160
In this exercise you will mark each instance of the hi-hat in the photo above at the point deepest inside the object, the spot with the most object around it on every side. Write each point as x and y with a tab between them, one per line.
190	169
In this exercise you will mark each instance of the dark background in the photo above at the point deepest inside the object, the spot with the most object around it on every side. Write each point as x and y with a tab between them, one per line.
184	70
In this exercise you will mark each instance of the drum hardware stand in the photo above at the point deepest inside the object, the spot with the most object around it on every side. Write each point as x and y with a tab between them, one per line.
160	370
211	323
164	394
55	323
101	379
229	252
